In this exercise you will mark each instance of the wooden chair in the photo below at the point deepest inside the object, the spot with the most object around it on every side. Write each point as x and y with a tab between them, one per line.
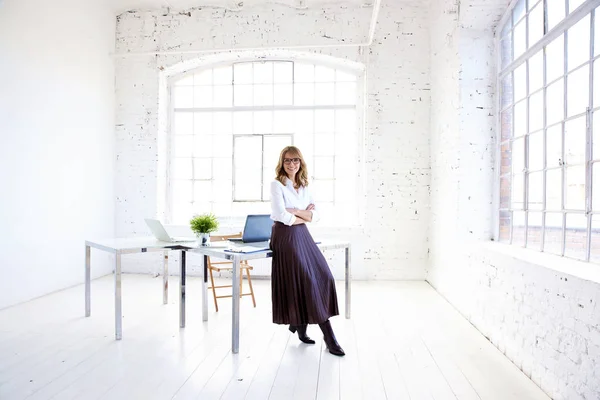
228	265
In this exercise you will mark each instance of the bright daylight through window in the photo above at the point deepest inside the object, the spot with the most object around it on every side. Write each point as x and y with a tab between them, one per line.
549	137
230	122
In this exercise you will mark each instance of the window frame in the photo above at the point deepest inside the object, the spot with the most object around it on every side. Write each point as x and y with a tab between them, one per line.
357	106
505	34
262	171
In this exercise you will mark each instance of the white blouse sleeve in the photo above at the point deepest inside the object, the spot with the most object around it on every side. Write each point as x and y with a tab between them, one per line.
278	211
315	212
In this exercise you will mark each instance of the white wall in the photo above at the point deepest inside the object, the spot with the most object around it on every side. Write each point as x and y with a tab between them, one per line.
445	130
396	140
57	142
546	322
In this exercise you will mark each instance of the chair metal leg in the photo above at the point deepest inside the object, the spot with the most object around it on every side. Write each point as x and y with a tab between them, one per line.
212	282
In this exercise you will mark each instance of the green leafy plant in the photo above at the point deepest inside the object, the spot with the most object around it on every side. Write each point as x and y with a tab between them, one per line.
205	223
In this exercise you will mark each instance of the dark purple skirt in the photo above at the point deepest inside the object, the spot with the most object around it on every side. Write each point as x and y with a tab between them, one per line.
302	286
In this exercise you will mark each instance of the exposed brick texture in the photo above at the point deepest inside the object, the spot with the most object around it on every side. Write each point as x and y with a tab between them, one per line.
396	154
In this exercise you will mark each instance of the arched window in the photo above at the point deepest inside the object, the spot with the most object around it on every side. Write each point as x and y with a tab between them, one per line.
229	123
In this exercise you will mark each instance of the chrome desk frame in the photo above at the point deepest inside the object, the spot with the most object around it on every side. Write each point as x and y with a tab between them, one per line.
236	258
119	247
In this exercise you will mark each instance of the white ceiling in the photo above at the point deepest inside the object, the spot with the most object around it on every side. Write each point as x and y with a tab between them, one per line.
120	6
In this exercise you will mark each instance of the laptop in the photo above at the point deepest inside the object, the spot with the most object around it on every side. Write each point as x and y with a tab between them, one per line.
256	230
159	232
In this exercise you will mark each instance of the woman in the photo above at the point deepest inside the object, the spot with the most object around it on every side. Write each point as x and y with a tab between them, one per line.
303	288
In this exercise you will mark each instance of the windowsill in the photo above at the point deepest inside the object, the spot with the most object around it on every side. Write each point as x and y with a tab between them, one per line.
575	268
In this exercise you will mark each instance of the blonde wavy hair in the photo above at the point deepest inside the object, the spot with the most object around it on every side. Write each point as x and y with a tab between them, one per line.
301	178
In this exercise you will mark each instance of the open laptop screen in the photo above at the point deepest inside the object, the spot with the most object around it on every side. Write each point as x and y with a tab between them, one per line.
257	229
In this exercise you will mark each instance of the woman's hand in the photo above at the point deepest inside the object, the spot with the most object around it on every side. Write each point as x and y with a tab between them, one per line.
310	207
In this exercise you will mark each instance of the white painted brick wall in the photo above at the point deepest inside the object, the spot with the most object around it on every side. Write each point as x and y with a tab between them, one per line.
392	243
547	323
445	126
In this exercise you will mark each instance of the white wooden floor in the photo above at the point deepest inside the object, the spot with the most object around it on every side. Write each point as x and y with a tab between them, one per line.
403	342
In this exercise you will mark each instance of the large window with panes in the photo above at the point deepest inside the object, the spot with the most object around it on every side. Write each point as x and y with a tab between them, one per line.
230	122
549	120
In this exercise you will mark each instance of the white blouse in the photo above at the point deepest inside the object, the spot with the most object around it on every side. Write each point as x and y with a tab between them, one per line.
283	197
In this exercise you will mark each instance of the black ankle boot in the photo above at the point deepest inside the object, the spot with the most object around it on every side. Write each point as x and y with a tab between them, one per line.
332	344
301	333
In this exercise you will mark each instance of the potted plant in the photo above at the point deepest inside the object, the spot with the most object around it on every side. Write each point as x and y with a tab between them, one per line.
202	226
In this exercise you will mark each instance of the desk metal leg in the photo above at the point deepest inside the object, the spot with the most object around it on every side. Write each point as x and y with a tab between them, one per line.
88	277
118	310
348	279
205	289
166	277
182	292
235	300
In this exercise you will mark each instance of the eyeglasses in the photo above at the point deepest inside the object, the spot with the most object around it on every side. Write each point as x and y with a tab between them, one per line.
290	160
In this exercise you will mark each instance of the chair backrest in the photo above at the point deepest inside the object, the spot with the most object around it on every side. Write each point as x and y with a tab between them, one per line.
222	238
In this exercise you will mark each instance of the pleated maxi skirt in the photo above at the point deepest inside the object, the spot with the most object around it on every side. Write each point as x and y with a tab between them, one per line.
302	286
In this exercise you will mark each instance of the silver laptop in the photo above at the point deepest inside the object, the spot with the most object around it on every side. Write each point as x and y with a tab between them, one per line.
159	232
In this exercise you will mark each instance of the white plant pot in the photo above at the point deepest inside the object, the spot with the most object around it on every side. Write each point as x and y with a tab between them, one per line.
204	239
